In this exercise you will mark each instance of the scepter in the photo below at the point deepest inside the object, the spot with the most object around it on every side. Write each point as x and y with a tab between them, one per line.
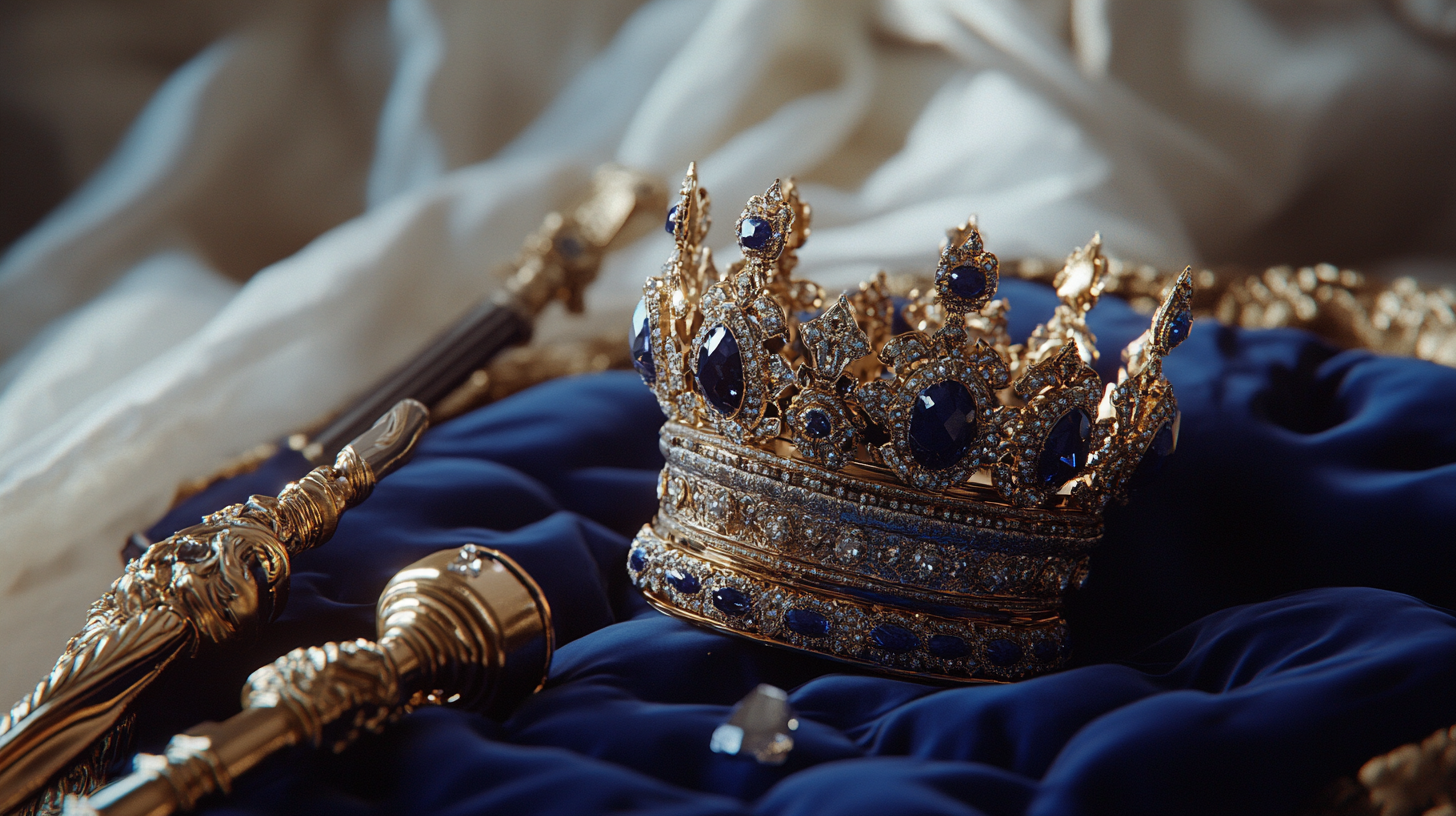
212	581
467	628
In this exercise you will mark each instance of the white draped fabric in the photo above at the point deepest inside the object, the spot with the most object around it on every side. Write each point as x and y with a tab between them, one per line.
311	197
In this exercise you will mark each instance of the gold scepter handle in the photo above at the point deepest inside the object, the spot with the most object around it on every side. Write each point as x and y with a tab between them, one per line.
464	627
211	581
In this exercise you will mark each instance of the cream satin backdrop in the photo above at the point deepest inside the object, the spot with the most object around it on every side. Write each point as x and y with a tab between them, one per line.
408	148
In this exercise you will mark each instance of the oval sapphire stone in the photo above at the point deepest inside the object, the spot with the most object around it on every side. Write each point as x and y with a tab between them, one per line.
816	423
942	425
754	233
968	281
684	582
894	638
1065	450
1178	328
720	370
1153	458
637	560
807	622
948	647
1003	652
1045	651
731	602
672	220
642	343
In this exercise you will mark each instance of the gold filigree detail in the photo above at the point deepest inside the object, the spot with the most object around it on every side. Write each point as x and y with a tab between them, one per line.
478	637
209	582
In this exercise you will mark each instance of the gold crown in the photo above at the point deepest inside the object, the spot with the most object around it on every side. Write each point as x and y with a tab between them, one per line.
921	510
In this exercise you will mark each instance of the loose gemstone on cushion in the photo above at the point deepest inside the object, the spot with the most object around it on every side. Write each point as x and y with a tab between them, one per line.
1065	450
948	647
754	233
637	560
807	622
684	582
816	423
967	281
1001	652
720	371
894	638
1153	458
672	220
642	343
731	602
1178	328
942	425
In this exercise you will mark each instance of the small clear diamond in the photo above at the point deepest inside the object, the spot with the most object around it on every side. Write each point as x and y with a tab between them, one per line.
927	566
849	549
760	726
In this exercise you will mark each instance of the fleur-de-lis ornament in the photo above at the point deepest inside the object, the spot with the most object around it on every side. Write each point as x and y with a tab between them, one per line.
822	421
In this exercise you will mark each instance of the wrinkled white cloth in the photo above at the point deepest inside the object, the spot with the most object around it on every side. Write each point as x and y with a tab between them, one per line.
361	168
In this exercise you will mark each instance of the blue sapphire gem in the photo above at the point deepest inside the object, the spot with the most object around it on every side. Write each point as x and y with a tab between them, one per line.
1045	651
1003	653
684	582
755	233
968	282
642	343
894	638
568	247
637	559
1153	458
948	647
942	425
807	622
1178	328
731	602
1066	448
672	220
898	323
720	370
816	423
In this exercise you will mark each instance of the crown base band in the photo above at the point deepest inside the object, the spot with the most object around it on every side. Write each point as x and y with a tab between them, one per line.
681	579
794	518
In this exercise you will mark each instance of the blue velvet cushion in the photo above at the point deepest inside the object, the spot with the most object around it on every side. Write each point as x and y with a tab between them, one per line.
1258	623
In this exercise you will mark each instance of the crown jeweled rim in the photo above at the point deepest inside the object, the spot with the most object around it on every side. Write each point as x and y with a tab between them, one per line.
923	510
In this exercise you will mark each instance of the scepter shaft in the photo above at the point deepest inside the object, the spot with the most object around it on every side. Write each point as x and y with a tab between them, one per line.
212	581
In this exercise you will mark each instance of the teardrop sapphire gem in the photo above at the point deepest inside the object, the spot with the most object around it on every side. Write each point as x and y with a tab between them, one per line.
894	638
1153	458
967	281
942	425
1065	450
672	220
720	371
948	647
731	602
816	423
642	343
1003	652
807	622
1178	328
637	560
754	233
684	582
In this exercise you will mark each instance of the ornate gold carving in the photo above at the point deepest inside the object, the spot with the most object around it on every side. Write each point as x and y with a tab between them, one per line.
465	627
212	581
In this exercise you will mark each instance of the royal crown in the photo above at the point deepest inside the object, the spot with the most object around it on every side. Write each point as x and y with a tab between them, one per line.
887	481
